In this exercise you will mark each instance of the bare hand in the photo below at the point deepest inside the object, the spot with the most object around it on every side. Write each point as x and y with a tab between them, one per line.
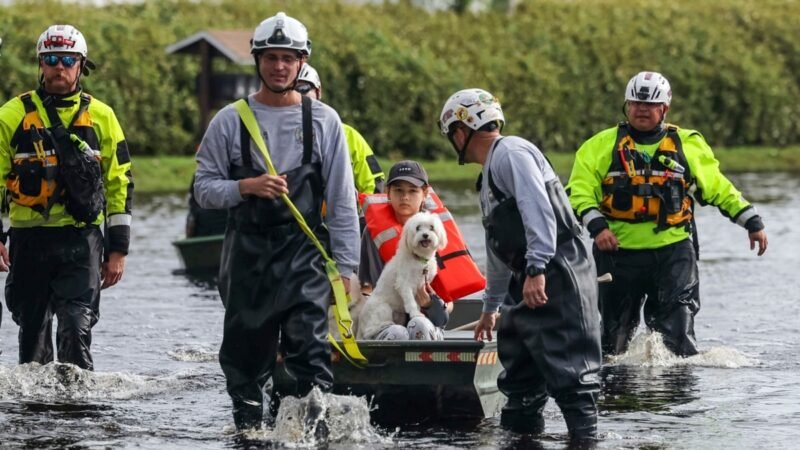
112	269
423	296
606	241
5	260
483	330
761	238
264	186
533	292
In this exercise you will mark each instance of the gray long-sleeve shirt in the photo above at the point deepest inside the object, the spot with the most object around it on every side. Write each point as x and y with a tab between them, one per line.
519	170
282	130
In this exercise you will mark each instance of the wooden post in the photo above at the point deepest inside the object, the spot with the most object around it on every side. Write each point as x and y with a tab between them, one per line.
204	87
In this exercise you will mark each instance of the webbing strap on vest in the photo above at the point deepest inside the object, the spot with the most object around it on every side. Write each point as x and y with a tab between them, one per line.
341	311
64	137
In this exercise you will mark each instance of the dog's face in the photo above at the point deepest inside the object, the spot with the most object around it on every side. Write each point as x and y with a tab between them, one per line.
423	234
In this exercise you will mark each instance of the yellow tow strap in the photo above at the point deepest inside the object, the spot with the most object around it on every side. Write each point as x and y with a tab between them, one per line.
341	311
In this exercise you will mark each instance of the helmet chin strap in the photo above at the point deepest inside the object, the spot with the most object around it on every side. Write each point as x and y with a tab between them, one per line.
463	150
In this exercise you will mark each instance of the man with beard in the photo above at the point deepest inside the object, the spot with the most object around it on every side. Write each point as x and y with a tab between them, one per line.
67	169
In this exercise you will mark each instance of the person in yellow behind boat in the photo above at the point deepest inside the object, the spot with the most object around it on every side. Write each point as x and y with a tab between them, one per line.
367	173
66	166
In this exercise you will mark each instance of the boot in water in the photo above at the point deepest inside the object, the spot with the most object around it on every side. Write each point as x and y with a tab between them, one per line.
523	415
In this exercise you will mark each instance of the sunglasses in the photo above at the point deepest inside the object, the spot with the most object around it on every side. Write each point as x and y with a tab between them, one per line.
66	60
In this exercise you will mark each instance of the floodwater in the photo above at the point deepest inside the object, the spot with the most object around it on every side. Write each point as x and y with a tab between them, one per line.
157	383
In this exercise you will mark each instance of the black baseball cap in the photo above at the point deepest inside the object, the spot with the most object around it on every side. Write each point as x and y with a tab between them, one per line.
410	171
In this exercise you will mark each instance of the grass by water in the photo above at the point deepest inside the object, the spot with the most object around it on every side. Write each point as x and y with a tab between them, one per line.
161	174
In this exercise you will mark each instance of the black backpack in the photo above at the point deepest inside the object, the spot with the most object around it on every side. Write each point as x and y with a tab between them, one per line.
79	171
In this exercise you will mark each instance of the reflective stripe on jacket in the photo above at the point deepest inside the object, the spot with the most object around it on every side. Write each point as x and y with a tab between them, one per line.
100	129
592	165
367	173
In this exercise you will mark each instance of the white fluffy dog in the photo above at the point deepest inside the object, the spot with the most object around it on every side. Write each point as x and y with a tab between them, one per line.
412	266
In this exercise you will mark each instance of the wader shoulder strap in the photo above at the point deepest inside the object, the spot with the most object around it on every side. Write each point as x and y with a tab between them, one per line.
308	135
244	140
498	194
308	144
341	311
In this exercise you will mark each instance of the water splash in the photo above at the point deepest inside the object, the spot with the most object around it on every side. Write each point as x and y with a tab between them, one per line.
57	382
647	349
193	354
319	420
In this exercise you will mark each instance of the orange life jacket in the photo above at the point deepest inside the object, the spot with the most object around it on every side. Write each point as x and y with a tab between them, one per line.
639	188
457	275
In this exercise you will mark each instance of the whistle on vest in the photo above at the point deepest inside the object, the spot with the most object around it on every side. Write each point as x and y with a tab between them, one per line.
80	143
671	164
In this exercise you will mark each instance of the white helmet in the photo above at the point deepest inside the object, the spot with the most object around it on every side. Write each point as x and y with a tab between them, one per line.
61	38
649	87
281	31
310	75
474	107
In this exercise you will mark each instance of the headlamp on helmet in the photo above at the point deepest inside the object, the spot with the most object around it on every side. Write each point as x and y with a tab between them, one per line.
282	32
648	87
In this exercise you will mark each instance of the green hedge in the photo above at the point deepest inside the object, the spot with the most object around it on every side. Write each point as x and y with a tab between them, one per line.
559	67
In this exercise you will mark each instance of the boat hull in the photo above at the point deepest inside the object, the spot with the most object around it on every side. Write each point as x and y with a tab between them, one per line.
200	254
413	381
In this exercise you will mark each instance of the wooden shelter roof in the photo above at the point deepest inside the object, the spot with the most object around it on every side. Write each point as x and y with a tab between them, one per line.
231	44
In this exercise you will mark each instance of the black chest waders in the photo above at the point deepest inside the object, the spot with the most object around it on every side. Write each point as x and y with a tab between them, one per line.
553	350
276	282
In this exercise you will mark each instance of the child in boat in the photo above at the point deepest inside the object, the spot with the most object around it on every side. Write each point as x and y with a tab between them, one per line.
406	190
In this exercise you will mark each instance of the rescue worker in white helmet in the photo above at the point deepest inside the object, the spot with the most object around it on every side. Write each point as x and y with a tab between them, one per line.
634	186
366	170
272	279
66	167
538	268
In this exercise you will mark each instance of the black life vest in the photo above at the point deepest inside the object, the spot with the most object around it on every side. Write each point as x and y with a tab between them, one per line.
57	164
